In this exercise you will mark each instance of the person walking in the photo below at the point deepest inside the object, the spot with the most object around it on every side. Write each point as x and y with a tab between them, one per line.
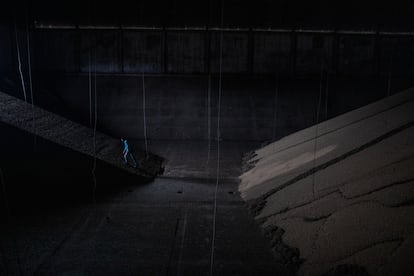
126	152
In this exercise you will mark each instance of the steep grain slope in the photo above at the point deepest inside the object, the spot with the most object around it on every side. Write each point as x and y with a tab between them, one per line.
344	197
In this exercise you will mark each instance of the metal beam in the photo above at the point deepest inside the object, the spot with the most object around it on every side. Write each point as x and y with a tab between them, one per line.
299	31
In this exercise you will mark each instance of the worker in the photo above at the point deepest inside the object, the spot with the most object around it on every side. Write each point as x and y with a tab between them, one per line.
126	152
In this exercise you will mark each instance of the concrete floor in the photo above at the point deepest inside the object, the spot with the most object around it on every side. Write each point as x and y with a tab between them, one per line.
159	228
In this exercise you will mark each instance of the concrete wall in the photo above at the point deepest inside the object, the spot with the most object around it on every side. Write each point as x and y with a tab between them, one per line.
142	52
271	83
271	53
198	52
173	51
397	53
314	54
252	108
6	50
186	52
356	55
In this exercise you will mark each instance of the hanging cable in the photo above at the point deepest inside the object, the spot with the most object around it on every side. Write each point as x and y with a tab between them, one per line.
213	240
94	129
390	70
90	80
209	118
208	93
19	62
316	128
90	38
5	199
326	96
144	113
29	62
275	109
5	196
10	222
30	76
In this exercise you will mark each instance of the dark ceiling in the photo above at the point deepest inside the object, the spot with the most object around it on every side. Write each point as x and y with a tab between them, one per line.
353	14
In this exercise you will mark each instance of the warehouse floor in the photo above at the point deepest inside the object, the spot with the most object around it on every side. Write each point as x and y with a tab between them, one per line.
158	228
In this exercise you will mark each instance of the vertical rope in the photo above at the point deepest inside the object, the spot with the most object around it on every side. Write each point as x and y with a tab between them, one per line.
326	96
209	117
6	200
390	71
20	62
90	40
316	130
276	94
144	113
275	109
12	223
213	240
390	68
5	197
90	80
94	129
29	62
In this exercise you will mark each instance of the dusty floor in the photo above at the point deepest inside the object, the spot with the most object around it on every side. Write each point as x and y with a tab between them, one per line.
158	228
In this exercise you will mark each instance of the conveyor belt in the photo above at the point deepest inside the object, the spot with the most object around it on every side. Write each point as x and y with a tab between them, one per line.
62	131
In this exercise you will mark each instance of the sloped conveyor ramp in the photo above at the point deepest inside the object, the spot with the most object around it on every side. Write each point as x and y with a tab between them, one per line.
62	131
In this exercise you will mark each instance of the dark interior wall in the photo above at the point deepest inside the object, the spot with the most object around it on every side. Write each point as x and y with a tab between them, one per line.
314	54
185	52
397	53
181	107
6	54
198	52
142	51
356	55
271	52
271	82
